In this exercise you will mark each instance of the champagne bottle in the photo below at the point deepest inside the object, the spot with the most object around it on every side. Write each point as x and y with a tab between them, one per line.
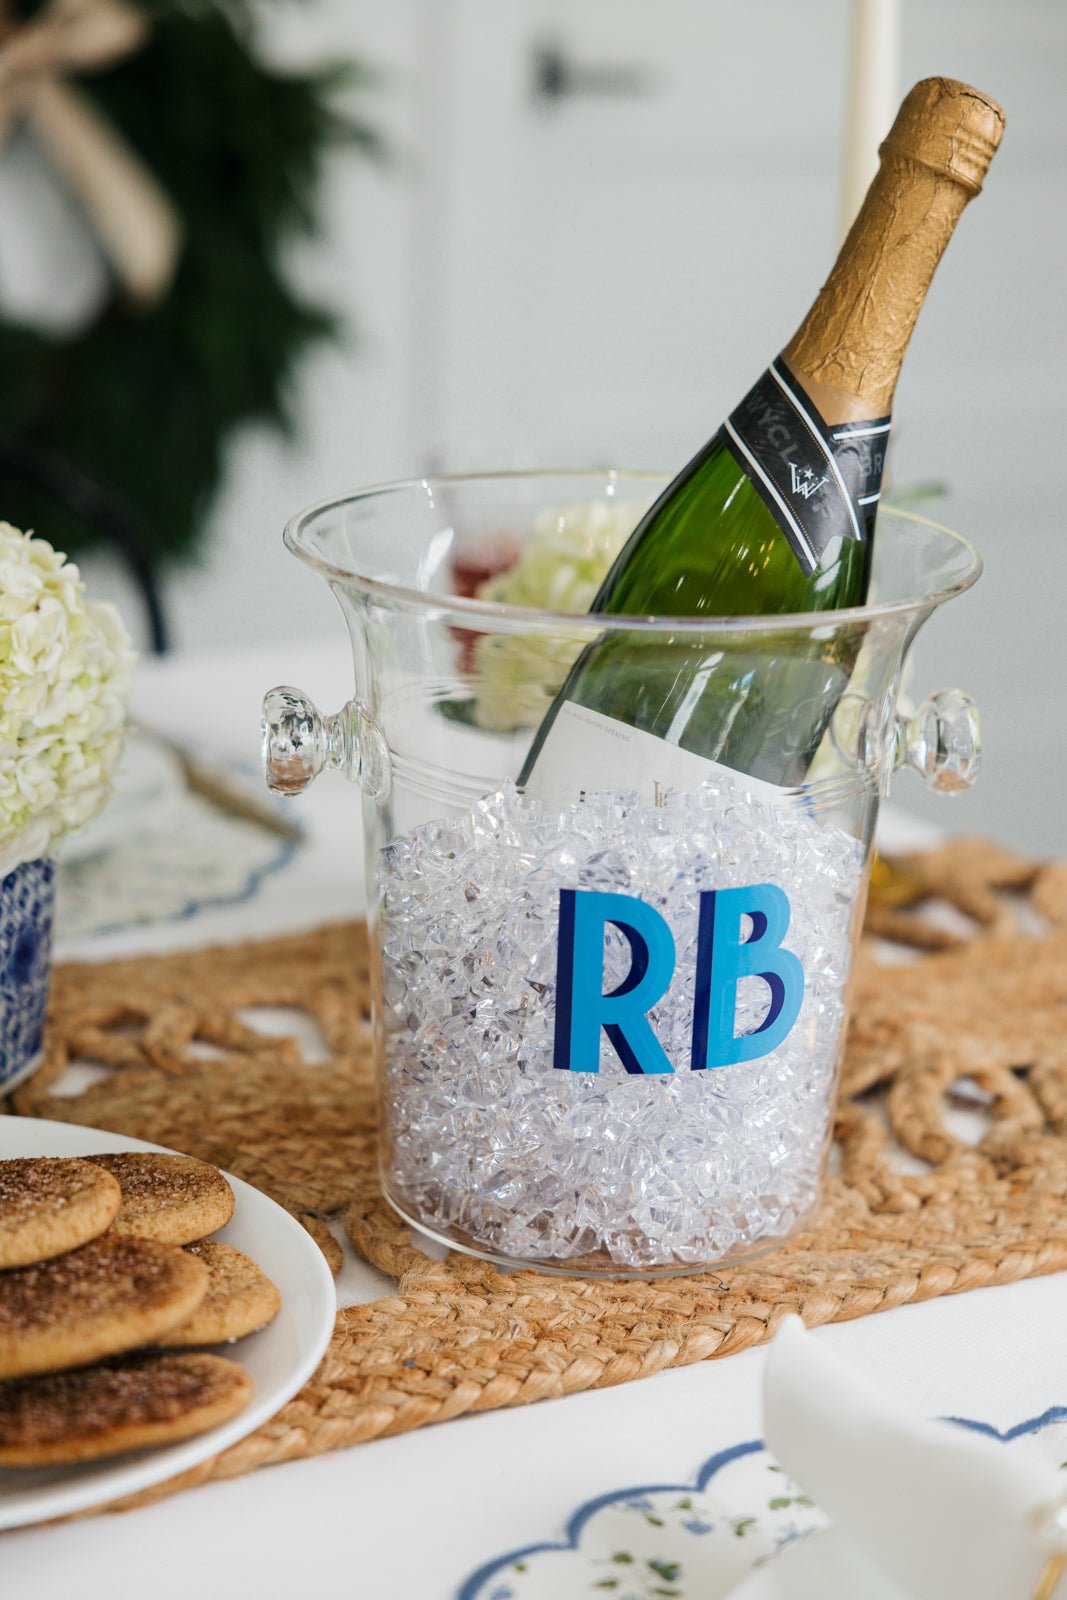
776	513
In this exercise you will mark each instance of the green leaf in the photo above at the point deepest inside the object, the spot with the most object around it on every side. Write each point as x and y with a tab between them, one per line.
666	1569
657	1522
461	711
622	1558
915	494
780	1502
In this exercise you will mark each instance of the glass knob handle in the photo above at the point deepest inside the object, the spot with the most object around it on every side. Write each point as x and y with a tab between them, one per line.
942	742
298	742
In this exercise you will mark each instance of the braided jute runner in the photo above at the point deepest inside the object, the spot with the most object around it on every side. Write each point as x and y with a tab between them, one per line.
457	1336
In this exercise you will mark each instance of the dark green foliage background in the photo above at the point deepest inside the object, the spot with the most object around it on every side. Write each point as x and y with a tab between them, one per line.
143	401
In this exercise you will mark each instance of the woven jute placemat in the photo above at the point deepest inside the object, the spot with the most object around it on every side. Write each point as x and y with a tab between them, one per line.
181	1067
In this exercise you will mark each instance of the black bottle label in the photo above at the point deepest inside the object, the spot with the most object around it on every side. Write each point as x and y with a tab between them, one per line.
819	482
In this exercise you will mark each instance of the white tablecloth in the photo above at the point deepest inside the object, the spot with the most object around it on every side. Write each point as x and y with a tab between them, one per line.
410	1518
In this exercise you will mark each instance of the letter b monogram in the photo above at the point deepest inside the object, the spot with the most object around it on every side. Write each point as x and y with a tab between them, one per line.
722	959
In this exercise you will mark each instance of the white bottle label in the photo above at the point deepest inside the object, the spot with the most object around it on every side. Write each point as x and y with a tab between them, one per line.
584	752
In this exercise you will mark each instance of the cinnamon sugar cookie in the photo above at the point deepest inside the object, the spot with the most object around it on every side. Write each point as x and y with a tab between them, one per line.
174	1199
240	1298
105	1297
49	1204
123	1404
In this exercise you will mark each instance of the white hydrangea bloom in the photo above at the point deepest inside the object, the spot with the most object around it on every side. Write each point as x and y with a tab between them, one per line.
64	680
561	569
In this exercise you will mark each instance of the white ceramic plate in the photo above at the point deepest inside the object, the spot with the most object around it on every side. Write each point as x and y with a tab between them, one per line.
279	1359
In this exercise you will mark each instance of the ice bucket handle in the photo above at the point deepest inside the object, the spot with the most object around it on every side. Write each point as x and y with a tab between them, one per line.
298	742
941	741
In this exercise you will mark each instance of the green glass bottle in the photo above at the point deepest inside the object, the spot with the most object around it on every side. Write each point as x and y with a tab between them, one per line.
776	513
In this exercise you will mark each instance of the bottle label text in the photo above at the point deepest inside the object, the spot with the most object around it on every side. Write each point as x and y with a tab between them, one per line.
819	482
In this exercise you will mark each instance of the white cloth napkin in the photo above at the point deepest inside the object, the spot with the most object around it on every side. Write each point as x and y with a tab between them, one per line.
921	1510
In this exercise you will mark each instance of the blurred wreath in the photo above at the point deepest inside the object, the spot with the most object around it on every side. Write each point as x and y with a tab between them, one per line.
163	166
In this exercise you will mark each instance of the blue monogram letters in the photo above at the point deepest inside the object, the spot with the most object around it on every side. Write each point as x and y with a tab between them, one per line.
723	958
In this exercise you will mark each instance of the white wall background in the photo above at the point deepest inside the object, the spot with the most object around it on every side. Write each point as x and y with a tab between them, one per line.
603	279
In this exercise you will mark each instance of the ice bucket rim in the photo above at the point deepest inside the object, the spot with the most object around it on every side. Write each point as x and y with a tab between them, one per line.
470	611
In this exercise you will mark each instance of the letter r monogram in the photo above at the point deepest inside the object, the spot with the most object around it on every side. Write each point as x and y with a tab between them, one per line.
582	1007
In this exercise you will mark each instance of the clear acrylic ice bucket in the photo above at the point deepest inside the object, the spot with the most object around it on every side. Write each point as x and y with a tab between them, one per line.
608	1020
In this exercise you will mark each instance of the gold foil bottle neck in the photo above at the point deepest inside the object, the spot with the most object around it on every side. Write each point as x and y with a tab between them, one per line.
848	350
948	127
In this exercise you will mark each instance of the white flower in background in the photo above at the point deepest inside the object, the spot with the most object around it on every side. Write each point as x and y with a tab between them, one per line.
568	557
64	679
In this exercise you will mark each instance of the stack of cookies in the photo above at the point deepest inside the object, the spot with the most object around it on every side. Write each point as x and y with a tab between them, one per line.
106	1281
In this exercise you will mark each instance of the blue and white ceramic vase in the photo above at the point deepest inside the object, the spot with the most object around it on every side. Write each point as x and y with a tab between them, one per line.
27	913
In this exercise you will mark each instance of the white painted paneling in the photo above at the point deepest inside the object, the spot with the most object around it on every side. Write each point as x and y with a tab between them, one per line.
982	404
613	264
